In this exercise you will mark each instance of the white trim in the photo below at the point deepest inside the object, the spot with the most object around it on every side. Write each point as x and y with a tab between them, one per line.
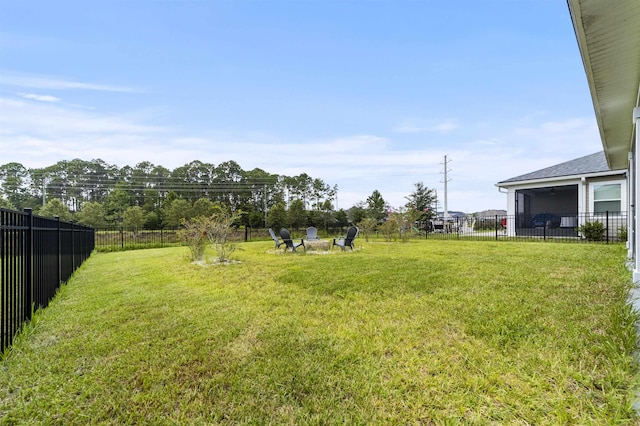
543	183
636	219
623	193
631	194
537	182
582	198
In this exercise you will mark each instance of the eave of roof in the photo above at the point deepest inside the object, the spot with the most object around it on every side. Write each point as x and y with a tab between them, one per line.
608	34
589	165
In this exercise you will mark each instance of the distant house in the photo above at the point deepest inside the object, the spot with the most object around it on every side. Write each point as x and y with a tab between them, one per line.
560	198
451	215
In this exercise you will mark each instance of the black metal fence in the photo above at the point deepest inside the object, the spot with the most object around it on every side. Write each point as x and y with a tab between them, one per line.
37	254
134	238
605	227
127	238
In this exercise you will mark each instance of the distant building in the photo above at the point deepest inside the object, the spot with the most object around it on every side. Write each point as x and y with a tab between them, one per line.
565	195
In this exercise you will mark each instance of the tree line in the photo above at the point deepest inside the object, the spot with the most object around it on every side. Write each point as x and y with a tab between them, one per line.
151	196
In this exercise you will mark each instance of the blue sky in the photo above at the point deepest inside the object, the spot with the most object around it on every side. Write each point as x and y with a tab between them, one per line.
367	95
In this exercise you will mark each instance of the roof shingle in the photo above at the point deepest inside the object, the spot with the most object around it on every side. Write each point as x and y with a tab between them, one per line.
593	163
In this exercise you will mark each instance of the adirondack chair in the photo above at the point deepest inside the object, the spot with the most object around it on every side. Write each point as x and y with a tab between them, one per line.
275	238
312	233
344	242
289	244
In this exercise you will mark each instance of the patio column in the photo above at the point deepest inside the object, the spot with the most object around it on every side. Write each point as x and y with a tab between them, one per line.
636	188
583	208
511	212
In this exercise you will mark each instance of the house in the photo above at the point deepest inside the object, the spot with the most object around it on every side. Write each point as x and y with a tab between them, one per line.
608	35
557	199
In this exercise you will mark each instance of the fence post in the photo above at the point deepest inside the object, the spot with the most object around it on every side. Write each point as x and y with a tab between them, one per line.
606	228
495	225
28	265
544	227
122	238
59	251
73	248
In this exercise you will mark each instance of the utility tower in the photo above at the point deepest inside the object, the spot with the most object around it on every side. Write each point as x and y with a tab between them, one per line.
446	180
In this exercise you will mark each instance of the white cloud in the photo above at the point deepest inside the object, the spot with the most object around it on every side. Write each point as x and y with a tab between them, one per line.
445	126
41	98
40	134
410	129
55	83
25	118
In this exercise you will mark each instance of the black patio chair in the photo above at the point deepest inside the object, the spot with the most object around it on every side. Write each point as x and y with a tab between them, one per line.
344	242
286	239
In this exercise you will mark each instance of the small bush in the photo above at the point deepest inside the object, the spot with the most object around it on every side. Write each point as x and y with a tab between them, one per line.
216	229
220	231
622	233
389	228
484	224
593	231
367	226
195	235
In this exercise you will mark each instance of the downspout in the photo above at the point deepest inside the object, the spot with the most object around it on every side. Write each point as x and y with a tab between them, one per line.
631	203
583	205
636	218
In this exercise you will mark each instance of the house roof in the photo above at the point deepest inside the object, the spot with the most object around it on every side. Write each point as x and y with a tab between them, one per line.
608	34
589	164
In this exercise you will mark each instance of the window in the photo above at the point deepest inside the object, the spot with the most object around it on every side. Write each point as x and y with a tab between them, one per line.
607	198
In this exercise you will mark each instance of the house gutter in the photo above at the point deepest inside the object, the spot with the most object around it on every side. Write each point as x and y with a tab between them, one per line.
560	178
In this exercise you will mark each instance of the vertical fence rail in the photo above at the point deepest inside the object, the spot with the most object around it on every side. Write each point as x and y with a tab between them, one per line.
37	254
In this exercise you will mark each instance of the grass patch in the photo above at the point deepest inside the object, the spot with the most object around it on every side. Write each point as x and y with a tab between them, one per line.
433	332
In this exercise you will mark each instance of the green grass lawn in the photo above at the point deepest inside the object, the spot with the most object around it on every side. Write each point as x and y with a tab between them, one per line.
425	332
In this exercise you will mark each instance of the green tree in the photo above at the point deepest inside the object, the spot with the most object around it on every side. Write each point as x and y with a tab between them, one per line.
92	214
297	214
341	218
134	217
229	176
55	207
390	228
376	207
203	207
5	204
405	218
115	205
13	180
153	220
422	200
367	227
177	212
357	213
277	217
256	220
